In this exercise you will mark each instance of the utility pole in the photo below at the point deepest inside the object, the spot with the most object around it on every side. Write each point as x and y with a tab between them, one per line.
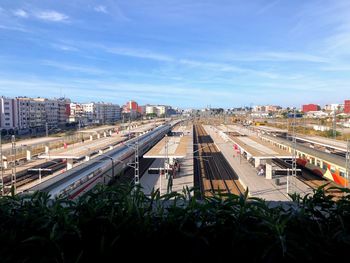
47	129
129	125
291	177
167	166
347	173
335	124
294	150
137	171
13	171
2	168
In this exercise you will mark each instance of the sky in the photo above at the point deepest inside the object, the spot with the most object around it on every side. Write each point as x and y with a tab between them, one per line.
189	54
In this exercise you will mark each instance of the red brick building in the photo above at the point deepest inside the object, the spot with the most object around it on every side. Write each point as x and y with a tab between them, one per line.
311	107
130	106
347	106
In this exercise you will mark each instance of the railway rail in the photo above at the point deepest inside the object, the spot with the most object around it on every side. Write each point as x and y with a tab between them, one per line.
213	174
26	176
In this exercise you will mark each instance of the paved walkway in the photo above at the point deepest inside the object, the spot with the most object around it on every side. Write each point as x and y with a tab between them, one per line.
258	186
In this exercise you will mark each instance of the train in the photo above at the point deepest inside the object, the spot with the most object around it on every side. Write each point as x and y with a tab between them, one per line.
328	166
328	171
101	169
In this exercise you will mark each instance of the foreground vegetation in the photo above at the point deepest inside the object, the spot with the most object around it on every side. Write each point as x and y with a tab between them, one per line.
116	222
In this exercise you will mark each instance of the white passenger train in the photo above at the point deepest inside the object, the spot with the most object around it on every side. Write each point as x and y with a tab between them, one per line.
82	178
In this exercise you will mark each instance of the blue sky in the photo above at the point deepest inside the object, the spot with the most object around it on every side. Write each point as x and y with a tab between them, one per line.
184	53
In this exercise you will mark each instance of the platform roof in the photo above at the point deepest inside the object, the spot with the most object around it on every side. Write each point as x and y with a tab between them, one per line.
332	158
30	142
79	151
100	129
177	148
326	142
270	129
258	148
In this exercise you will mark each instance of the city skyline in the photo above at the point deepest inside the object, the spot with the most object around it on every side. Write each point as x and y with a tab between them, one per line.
218	53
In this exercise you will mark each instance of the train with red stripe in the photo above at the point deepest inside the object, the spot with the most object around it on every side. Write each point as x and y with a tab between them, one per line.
327	170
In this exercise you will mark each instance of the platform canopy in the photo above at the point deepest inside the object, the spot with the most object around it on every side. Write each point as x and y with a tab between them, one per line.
177	148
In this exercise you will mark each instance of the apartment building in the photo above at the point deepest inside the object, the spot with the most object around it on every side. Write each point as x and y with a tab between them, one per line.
98	113
159	110
32	114
8	113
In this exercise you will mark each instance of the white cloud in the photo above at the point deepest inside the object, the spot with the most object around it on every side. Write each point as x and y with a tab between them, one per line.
101	9
20	13
51	15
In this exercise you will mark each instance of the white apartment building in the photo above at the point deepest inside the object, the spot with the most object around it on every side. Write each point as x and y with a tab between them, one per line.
28	114
101	112
157	109
8	113
32	113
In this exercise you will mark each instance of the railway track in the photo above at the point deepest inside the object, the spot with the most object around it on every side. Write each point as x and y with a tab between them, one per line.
213	174
26	177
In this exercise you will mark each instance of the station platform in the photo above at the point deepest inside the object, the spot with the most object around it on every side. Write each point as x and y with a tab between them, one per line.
182	179
257	185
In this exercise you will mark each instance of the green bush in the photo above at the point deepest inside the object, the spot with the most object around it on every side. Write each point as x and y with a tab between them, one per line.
118	222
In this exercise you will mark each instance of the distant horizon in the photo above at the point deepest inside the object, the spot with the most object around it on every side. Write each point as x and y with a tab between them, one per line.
174	106
187	54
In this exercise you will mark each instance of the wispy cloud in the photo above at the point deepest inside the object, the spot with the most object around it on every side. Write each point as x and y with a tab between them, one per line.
268	6
14	28
20	13
74	68
138	53
273	56
64	47
51	15
101	9
212	65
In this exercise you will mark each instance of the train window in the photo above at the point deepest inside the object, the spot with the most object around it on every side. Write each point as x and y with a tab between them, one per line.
342	173
318	163
332	169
